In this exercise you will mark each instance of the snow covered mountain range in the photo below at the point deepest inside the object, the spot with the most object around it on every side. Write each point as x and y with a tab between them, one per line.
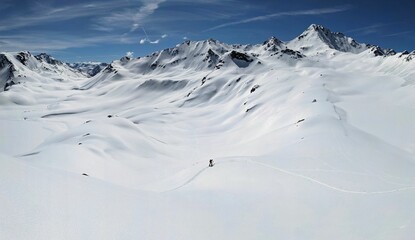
16	67
312	139
199	55
90	69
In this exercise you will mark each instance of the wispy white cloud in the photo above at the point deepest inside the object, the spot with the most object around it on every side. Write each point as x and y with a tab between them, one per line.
45	14
318	11
398	34
164	36
124	15
134	18
36	41
374	28
101	28
145	40
147	9
129	54
116	27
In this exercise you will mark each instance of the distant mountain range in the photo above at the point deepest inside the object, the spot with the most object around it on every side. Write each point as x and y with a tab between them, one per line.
213	54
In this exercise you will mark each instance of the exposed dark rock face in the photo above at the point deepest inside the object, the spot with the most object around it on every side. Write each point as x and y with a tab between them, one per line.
23	57
410	56
240	56
211	57
293	53
109	69
254	88
7	79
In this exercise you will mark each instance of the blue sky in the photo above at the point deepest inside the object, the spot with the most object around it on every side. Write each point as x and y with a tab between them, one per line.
105	30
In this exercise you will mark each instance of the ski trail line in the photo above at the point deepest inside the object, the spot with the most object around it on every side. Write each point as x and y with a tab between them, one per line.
189	180
327	185
294	175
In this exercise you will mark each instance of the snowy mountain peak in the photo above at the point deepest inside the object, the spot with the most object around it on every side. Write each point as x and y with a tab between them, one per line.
322	31
125	59
88	68
273	44
378	51
273	40
44	57
410	56
212	41
318	28
319	38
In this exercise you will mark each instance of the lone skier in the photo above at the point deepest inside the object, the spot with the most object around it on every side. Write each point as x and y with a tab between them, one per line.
211	163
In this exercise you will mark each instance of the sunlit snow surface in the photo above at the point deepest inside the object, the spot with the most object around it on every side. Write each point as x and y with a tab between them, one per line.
317	147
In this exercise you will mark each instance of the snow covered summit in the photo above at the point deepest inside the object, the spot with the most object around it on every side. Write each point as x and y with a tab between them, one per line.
317	37
44	57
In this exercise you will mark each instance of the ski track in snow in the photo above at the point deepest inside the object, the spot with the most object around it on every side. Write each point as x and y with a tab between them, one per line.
189	180
310	179
330	186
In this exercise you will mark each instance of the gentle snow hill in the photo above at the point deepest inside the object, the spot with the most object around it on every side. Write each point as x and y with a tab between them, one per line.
311	138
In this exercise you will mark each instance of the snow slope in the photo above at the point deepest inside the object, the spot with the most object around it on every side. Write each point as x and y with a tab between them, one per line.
312	139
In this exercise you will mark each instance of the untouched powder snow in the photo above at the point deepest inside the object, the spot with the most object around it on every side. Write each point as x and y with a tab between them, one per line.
309	143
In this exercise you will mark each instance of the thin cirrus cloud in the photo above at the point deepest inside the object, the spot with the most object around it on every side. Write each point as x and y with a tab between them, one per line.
116	27
398	34
319	11
36	41
380	29
371	29
43	14
132	17
126	14
147	9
